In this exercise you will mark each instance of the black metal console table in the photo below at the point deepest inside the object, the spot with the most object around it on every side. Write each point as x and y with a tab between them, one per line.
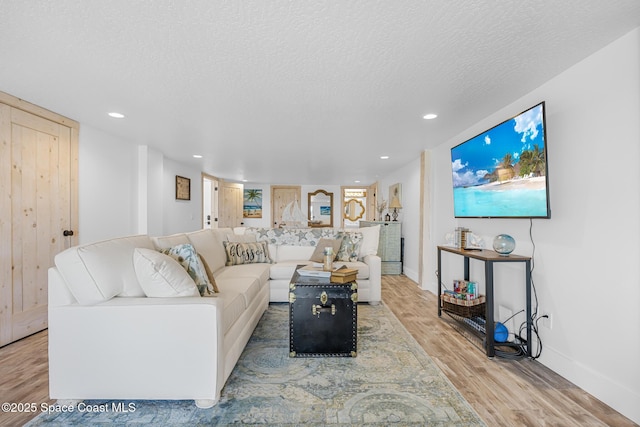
489	258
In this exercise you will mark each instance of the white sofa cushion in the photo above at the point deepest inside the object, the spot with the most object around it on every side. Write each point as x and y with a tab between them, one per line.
234	305
284	270
258	271
208	244
289	252
99	271
169	241
241	238
248	287
162	276
370	240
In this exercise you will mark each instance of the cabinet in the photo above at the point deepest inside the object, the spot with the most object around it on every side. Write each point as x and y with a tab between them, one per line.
490	258
389	246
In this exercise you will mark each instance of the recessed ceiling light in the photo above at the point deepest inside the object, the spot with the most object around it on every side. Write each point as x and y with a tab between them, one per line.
430	116
197	156
384	157
116	115
357	181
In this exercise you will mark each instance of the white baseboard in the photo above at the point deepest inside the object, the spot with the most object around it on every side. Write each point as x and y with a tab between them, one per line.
618	396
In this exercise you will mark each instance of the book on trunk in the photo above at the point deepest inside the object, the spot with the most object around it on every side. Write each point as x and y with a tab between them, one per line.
344	275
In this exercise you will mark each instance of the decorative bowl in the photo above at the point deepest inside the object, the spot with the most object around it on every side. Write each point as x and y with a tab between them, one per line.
504	244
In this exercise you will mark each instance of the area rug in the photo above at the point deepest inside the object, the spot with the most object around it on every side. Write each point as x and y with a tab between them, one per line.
392	381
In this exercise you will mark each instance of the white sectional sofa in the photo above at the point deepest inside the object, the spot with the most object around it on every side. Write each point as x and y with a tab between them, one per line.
121	328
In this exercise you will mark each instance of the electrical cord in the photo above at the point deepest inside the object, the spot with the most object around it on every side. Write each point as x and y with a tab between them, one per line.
534	315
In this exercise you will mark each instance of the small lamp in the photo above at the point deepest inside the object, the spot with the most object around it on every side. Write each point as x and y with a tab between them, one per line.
395	204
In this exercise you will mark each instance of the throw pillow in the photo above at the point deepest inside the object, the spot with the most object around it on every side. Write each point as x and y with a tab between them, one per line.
318	253
351	243
161	276
186	255
247	253
370	240
212	279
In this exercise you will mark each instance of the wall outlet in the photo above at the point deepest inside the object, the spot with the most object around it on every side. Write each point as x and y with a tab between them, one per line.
547	322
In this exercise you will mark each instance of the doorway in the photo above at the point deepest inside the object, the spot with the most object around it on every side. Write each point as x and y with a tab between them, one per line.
39	209
209	201
357	203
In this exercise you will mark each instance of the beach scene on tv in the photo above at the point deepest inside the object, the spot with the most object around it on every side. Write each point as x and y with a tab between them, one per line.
502	172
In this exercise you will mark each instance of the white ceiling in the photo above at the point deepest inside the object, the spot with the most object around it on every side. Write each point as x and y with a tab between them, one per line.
294	91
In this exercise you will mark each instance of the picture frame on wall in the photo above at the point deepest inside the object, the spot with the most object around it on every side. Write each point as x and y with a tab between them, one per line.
183	188
252	203
395	190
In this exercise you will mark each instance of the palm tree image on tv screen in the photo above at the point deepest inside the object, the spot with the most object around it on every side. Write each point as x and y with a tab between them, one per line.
502	172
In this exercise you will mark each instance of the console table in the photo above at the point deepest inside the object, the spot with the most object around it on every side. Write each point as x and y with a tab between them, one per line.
490	258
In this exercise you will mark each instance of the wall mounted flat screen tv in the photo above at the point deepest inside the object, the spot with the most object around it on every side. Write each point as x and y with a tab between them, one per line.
502	172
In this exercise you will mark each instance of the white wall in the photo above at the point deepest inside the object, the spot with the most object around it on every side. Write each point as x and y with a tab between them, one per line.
180	216
409	177
127	189
107	196
586	257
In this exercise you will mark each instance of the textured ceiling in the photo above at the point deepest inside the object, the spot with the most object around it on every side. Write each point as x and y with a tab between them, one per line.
304	92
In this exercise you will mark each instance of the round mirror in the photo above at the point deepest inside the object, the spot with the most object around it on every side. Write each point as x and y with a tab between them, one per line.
353	209
320	209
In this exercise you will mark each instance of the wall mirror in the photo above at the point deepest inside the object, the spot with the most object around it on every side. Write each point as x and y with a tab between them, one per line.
353	209
320	209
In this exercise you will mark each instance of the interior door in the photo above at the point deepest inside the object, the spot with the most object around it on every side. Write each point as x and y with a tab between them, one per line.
230	204
38	206
281	196
209	201
372	202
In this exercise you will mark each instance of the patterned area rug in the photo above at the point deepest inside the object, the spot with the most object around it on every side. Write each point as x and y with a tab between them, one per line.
392	381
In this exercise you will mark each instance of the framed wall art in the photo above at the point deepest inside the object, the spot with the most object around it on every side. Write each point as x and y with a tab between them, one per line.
183	188
252	203
395	190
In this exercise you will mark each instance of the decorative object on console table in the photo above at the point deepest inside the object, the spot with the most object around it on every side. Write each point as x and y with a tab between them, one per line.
389	246
183	188
323	317
395	204
504	244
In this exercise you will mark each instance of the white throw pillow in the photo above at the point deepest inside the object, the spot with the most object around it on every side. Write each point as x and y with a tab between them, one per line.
162	276
370	240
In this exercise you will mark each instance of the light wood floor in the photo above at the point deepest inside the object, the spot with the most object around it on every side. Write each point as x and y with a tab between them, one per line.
503	392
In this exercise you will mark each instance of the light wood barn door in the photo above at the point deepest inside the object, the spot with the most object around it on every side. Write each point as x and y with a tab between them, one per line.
230	204
38	179
281	196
